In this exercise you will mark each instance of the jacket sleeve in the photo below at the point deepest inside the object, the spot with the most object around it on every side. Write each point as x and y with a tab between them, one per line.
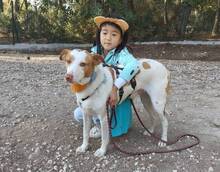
130	64
94	49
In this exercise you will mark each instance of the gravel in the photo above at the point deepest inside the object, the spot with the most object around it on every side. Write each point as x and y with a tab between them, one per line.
37	131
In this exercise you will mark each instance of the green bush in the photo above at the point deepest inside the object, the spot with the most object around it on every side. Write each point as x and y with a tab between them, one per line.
53	21
5	22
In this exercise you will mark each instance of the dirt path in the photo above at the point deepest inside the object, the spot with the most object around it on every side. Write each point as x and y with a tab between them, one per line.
37	132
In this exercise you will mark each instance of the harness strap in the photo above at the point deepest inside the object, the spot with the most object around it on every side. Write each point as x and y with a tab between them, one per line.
120	92
103	81
112	115
133	82
112	72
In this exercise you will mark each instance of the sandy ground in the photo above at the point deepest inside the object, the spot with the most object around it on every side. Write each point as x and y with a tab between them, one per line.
37	131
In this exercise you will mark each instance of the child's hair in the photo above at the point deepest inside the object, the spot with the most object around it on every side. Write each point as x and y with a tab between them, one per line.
120	46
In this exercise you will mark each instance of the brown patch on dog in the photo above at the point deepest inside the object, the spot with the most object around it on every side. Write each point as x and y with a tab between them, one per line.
90	62
89	65
66	55
97	58
145	65
75	87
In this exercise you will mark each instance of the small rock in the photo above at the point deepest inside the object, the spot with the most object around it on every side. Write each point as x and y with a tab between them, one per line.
34	154
216	122
210	169
55	168
191	156
65	168
44	143
50	161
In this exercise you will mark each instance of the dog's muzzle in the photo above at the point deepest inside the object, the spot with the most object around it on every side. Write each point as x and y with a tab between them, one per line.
69	78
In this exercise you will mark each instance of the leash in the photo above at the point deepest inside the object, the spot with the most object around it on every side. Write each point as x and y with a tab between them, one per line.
156	150
113	115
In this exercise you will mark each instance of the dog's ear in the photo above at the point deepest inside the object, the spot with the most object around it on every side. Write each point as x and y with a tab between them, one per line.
97	58
64	53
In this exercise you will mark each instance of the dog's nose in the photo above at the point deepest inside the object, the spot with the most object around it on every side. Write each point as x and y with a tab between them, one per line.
69	77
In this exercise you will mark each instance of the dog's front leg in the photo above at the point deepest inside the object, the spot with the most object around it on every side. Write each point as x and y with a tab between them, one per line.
86	128
105	134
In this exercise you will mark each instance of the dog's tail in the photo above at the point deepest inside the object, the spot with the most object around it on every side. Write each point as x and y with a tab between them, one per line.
168	87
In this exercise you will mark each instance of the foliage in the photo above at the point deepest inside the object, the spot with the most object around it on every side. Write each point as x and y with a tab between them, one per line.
5	21
72	20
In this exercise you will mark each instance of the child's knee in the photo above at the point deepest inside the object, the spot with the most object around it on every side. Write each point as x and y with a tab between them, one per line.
96	120
78	114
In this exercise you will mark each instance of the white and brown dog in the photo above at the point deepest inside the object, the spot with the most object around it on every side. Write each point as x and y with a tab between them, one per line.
93	83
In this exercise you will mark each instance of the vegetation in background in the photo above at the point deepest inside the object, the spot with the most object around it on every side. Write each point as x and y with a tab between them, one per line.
72	20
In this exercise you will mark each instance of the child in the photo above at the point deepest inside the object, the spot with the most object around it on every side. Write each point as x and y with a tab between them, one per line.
111	39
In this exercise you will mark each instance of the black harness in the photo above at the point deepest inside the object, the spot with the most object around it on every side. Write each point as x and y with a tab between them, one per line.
121	92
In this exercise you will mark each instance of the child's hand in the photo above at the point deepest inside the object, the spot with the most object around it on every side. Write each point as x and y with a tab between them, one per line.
113	97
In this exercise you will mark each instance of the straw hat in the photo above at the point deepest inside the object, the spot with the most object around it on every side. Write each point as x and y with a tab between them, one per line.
120	22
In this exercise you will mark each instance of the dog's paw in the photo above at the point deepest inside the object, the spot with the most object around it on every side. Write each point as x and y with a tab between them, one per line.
81	149
100	152
161	144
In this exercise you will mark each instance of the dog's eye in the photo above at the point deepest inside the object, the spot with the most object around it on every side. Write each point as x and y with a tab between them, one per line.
82	64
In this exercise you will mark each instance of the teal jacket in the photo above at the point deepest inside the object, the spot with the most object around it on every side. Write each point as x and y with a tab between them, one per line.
122	59
123	111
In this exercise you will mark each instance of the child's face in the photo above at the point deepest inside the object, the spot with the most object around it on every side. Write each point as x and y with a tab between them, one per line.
110	37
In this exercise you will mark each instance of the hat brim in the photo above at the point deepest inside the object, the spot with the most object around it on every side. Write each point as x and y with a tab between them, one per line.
121	23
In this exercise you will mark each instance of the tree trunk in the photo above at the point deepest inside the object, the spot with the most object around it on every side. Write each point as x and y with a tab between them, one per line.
26	27
216	23
106	8
1	6
178	2
36	23
183	17
15	32
165	18
17	6
13	22
131	5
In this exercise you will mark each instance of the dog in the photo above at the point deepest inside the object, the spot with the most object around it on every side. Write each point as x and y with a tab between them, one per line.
92	83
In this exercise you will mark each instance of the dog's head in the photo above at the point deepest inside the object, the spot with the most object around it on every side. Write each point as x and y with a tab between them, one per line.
80	65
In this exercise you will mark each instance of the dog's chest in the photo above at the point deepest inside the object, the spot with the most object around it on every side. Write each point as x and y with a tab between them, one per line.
96	97
94	102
